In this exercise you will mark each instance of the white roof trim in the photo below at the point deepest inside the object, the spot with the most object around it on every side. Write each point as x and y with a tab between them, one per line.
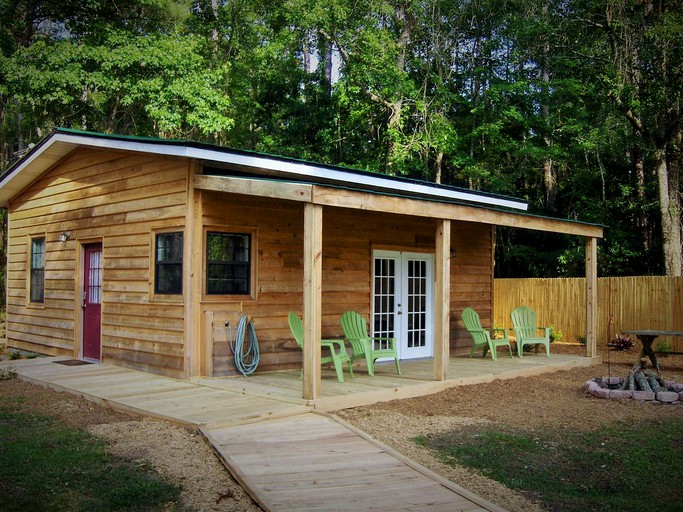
59	144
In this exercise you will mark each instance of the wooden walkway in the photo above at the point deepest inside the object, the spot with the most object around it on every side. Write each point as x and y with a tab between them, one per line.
316	463
287	456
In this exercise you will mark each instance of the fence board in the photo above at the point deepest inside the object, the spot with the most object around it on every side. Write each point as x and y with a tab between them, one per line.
624	303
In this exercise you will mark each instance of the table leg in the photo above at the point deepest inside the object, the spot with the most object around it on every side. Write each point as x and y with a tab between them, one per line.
647	340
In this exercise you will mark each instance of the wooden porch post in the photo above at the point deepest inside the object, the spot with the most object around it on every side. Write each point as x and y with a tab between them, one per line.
195	349
442	299
313	270
591	296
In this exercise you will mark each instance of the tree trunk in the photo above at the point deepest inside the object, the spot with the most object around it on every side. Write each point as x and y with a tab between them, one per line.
438	165
327	59
670	211
548	171
396	107
639	167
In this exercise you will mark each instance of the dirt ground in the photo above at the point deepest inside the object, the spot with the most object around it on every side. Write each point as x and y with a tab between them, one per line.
183	457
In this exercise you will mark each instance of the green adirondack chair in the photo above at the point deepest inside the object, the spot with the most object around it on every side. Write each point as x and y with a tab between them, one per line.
338	353
482	337
527	331
356	333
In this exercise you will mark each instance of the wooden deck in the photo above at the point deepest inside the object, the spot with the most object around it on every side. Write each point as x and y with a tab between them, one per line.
416	379
287	454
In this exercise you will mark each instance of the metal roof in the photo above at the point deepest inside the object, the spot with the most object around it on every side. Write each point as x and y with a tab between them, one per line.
62	141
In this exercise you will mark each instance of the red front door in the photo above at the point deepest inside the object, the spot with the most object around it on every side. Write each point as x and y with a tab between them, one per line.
92	301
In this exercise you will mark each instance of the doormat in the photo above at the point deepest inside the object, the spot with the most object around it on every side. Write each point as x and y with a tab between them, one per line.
72	362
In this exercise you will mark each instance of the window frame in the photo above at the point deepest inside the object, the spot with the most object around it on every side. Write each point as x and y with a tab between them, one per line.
30	281
250	265
169	295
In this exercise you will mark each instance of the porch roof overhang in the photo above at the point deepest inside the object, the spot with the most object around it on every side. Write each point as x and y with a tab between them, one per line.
346	197
258	174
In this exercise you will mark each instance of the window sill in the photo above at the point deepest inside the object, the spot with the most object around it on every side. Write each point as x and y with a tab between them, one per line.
228	298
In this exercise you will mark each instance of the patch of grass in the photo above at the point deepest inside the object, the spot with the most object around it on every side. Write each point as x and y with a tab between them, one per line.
44	466
635	467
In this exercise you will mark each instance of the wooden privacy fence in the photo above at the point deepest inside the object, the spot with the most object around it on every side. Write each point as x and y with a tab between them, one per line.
624	303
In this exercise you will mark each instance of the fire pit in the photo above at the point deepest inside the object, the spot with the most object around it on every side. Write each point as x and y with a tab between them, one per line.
611	387
641	383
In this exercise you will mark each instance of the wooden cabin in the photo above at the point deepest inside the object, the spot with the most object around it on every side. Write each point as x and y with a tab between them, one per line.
145	253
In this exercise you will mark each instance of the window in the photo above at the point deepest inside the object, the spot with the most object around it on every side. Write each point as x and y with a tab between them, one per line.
168	264
228	263
37	286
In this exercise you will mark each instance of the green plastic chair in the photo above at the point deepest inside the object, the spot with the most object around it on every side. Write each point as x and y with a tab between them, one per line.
526	330
482	337
356	333
337	349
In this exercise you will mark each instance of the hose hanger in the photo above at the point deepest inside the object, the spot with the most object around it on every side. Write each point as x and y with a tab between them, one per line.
246	355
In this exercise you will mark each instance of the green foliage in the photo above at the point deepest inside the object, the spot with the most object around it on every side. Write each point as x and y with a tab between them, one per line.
161	84
44	466
570	470
663	348
525	98
555	335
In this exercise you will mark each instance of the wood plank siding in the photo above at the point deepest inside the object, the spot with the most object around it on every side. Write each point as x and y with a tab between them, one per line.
311	231
122	199
349	237
119	199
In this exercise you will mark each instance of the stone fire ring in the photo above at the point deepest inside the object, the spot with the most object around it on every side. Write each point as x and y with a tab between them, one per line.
600	388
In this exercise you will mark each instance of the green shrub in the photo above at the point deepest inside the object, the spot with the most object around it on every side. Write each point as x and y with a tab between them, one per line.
663	348
555	335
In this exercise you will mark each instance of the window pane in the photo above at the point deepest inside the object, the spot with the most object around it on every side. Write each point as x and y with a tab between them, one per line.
95	277
37	284
168	272
228	263
169	247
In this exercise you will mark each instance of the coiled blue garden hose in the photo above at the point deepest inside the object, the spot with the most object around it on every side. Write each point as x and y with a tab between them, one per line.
246	356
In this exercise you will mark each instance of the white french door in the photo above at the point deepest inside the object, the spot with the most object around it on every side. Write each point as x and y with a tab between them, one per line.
403	296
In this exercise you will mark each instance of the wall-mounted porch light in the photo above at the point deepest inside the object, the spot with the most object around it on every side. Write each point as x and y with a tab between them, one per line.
64	236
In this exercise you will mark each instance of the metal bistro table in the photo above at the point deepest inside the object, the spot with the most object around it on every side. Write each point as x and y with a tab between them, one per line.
647	338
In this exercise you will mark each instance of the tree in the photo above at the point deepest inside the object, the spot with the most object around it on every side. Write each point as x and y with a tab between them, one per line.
123	77
572	105
646	72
